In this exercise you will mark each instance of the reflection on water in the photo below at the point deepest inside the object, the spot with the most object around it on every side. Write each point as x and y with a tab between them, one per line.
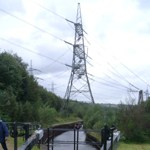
69	138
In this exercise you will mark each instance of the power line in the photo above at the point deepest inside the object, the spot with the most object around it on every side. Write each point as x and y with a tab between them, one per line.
95	41
42	31
47	9
31	25
106	84
74	23
55	60
112	88
31	50
58	74
117	83
121	63
118	72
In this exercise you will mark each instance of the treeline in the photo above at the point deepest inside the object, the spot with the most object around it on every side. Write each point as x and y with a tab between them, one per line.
132	120
21	97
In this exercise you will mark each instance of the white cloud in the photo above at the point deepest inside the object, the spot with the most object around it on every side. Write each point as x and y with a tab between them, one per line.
120	26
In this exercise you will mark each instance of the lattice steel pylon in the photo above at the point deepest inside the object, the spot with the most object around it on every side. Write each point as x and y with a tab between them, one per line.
78	82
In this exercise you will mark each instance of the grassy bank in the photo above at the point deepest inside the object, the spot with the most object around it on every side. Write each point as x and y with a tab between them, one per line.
10	143
132	146
59	120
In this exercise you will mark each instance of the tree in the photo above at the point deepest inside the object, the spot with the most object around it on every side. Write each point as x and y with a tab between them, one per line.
47	114
13	73
96	115
8	104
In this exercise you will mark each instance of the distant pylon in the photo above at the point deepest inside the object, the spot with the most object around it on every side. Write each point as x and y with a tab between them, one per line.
78	82
140	99
31	69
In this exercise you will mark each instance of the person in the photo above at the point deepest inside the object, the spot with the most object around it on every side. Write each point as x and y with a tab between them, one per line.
3	134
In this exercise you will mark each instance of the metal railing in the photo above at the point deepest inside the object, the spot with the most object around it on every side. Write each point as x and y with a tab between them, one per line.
106	134
21	129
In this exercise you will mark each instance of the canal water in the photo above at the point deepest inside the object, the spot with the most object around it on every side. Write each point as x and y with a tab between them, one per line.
68	137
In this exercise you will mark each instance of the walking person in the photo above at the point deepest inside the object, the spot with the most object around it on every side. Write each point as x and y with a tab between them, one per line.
3	134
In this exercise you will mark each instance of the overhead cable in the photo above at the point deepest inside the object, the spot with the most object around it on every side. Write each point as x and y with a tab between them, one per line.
31	25
30	50
121	62
117	83
89	43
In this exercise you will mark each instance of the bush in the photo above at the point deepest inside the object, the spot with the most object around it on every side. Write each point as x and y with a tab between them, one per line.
93	115
134	122
47	115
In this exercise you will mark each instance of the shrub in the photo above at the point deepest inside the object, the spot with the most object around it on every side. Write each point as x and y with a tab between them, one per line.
134	122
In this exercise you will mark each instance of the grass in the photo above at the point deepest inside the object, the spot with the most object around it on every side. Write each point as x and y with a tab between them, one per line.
10	143
59	120
133	146
97	135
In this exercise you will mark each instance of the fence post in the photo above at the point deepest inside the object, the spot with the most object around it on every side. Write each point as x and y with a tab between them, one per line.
48	137
112	135
26	127
52	137
112	139
105	137
15	136
77	138
74	139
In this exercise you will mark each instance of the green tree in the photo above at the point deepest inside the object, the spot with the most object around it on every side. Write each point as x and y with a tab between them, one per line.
134	122
94	114
47	114
8	104
11	72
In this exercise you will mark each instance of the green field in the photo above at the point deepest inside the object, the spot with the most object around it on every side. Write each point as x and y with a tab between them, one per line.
131	146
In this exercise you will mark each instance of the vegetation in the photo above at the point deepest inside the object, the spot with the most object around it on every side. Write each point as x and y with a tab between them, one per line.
133	146
134	121
20	141
22	99
98	117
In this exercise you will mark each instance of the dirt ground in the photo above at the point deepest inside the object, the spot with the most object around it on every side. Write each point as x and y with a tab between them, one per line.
43	147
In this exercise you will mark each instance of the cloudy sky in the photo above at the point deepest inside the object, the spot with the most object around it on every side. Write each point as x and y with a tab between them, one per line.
117	43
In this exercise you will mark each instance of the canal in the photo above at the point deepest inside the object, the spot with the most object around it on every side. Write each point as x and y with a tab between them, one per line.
67	138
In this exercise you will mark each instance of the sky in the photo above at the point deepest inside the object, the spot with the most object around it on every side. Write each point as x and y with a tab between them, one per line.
116	41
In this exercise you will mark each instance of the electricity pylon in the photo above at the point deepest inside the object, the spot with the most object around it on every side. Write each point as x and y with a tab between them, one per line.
140	99
78	82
